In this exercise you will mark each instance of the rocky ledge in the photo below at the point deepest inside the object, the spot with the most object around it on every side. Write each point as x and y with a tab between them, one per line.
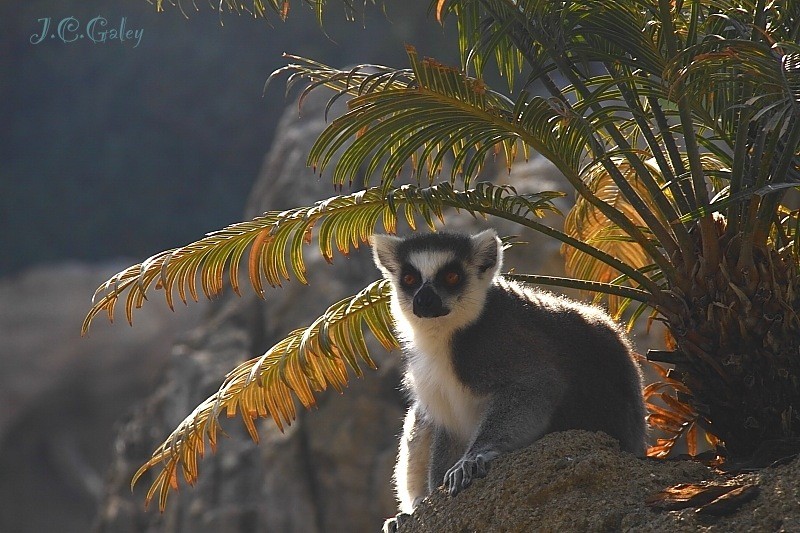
581	481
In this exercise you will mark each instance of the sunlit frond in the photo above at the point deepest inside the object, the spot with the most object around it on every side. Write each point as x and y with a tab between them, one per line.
585	223
671	416
308	360
276	240
433	111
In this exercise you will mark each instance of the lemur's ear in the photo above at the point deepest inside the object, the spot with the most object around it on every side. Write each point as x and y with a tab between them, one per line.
488	251
384	253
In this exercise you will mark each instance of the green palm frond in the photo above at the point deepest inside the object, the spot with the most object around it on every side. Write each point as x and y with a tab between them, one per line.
256	8
723	78
308	360
710	67
432	110
276	239
480	39
535	31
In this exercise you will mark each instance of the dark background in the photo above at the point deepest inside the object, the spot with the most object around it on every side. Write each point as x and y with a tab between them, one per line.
112	151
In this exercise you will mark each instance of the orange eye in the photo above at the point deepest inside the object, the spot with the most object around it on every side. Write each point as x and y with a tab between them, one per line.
452	278
409	280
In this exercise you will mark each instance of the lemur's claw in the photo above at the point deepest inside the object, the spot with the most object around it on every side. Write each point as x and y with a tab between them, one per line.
460	476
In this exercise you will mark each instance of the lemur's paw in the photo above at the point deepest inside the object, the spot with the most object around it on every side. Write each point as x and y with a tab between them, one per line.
460	476
391	524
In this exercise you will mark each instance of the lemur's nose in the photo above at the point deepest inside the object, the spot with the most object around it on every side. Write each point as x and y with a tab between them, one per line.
428	304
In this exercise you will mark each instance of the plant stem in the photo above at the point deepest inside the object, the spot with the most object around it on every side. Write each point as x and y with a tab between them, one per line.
673	151
639	115
708	232
651	287
630	194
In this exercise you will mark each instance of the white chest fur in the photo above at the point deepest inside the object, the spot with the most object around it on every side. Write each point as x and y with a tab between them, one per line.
443	398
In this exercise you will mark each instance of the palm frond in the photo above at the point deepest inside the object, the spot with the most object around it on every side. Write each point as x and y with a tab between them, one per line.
720	75
725	199
534	31
256	8
669	413
587	224
759	120
441	111
308	360
276	240
584	285
432	110
615	33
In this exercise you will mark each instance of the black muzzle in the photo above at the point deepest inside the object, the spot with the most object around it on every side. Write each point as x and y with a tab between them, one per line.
428	304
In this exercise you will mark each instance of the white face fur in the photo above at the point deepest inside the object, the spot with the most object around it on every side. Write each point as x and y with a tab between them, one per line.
429	376
430	260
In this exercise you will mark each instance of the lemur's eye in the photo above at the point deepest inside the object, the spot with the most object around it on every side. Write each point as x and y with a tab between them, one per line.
452	278
409	280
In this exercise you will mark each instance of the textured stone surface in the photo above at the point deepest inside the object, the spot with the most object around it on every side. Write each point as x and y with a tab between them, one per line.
580	481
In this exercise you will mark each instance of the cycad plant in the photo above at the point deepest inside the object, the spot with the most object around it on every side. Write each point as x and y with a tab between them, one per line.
677	123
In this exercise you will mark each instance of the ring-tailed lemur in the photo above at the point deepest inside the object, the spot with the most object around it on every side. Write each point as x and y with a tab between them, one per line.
492	365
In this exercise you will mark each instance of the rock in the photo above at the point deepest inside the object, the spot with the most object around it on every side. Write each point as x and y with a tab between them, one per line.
579	481
571	481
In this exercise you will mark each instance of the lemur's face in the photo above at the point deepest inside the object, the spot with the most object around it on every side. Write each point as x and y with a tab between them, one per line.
437	274
430	283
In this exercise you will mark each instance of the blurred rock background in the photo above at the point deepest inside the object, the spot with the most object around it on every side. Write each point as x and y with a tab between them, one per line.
112	153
